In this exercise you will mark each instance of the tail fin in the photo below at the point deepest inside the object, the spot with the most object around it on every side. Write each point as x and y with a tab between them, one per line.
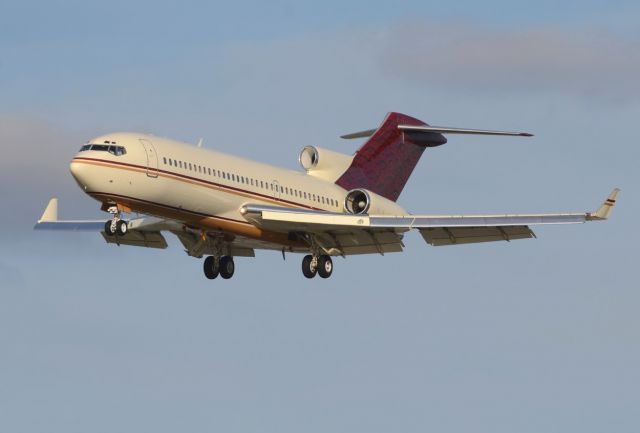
385	162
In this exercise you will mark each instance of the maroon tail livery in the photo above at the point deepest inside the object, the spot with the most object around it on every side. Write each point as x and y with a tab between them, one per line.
385	162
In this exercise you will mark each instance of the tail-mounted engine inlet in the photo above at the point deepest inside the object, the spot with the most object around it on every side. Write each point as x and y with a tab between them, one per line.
357	201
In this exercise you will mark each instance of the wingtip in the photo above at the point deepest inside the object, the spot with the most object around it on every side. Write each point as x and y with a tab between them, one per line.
50	212
604	211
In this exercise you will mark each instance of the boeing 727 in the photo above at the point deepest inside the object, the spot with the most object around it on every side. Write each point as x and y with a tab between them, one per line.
220	206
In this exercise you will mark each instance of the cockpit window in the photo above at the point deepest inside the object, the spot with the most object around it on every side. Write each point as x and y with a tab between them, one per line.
117	150
114	150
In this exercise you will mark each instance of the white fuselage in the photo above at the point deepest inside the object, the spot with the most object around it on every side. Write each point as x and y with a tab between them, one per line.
200	187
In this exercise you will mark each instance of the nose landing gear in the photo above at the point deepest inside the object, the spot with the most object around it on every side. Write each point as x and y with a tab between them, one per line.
116	225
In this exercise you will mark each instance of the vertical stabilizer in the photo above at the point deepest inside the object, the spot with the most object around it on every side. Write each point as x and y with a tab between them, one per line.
385	162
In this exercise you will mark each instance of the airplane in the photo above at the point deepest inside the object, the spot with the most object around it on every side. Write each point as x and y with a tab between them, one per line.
221	207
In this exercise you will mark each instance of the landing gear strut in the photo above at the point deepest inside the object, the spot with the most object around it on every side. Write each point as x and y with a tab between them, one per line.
321	265
116	225
223	266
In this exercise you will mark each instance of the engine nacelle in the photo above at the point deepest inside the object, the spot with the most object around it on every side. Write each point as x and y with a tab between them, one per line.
324	164
362	201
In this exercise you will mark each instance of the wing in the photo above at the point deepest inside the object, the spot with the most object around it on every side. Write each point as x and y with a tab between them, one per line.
339	232
147	232
143	232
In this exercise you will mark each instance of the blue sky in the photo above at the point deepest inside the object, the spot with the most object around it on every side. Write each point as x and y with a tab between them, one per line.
530	336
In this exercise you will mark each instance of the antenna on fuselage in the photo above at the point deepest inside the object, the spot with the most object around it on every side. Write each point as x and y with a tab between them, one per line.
200	142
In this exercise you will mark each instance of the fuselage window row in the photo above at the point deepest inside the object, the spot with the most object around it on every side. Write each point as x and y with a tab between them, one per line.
120	150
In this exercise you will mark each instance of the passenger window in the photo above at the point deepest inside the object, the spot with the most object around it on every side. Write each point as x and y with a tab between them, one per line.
165	160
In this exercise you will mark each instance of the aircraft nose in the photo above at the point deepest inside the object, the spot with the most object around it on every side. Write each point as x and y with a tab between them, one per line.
78	171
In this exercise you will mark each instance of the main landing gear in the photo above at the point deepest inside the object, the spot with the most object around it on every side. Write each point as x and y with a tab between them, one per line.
321	265
116	225
223	266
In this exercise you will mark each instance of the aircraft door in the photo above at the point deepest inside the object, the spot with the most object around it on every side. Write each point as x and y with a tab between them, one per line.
152	157
275	189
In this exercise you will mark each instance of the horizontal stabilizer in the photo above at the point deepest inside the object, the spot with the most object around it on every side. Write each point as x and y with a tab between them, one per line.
438	130
447	130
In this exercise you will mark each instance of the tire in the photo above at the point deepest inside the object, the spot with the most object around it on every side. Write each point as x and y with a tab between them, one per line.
107	229
325	266
307	270
211	268
122	228
227	267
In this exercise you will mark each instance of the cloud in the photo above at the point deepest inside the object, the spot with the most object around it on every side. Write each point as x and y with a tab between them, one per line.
470	57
